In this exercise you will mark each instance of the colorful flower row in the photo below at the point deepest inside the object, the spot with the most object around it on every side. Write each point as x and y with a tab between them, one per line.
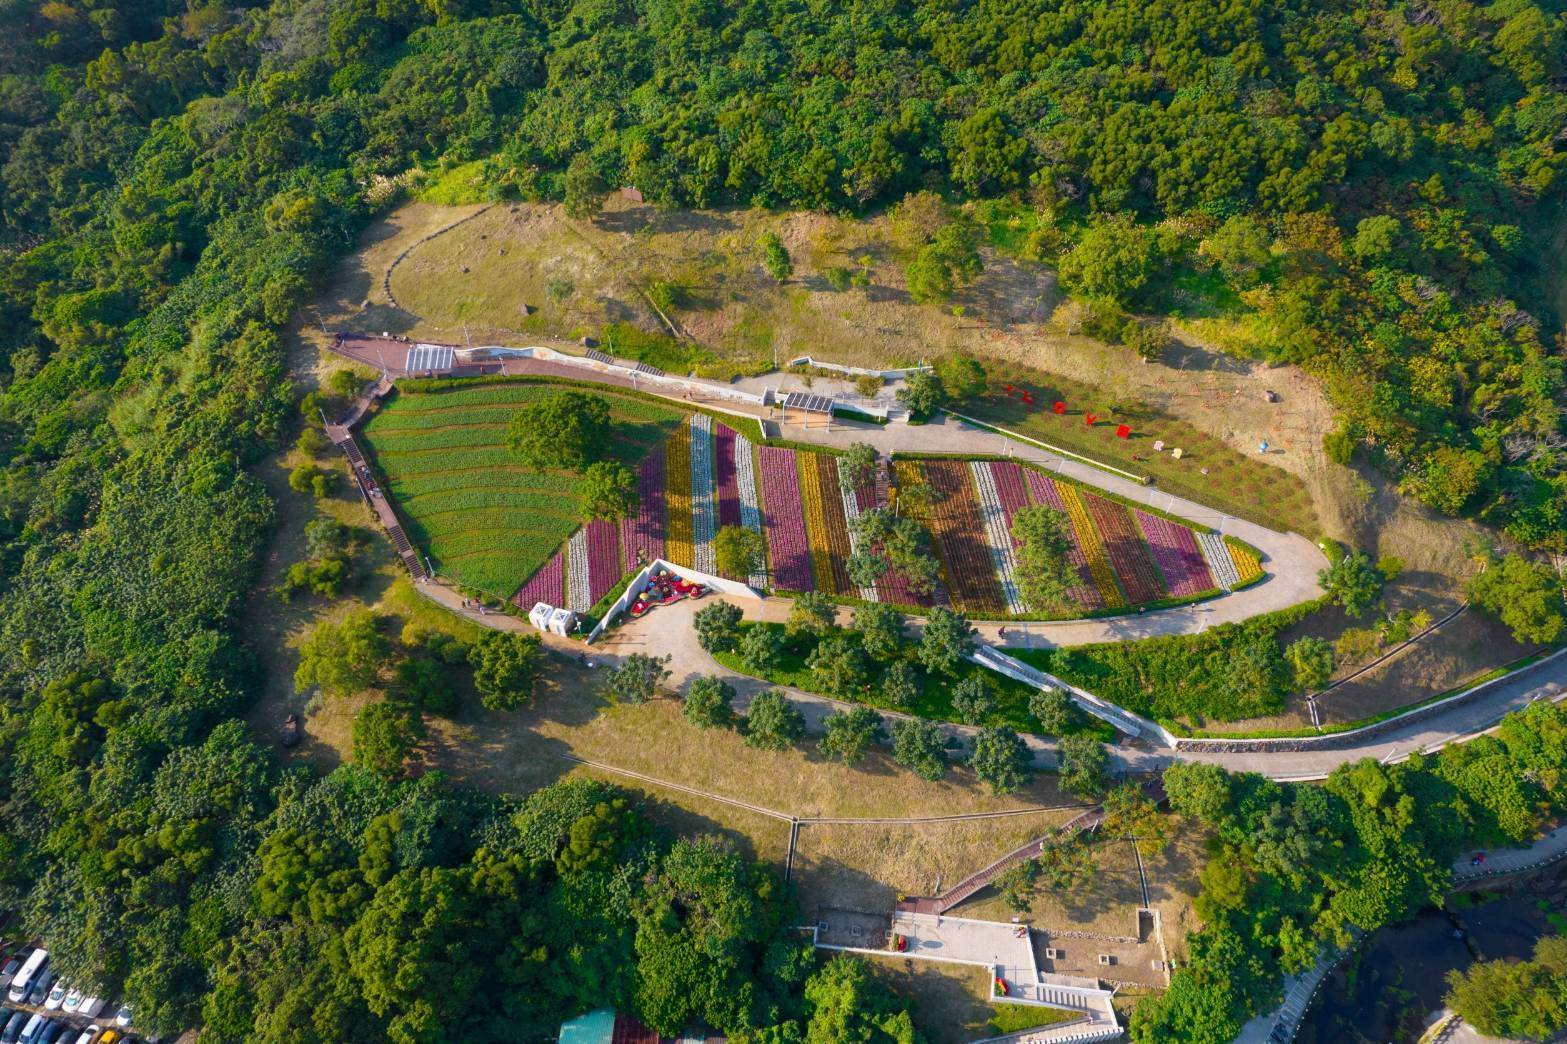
704	512
603	559
677	472
1093	548
645	532
838	548
852	501
750	508
1246	565
956	527
1175	551
726	445
1127	550
548	585
997	536
783	520
816	534
893	585
577	598
1220	563
1043	491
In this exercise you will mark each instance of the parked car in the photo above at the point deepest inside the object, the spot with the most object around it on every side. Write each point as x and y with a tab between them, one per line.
73	1000
12	966
88	1034
122	1018
33	1029
90	1007
53	1032
107	1036
30	970
41	985
56	996
13	1027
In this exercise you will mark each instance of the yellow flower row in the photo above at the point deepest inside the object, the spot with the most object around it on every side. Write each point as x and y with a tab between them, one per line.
1246	563
816	536
1093	548
677	493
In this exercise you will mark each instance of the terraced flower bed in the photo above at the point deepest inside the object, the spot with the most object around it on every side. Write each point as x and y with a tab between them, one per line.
499	527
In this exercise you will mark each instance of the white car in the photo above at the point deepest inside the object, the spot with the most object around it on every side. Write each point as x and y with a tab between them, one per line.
90	1007
88	1034
122	1018
56	996
73	1000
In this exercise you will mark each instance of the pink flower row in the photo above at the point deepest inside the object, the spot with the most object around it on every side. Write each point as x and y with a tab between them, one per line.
783	519
1176	553
724	476
547	585
603	558
1043	491
645	532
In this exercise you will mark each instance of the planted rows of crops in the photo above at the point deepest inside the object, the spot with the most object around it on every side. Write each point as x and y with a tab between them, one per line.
481	517
500	527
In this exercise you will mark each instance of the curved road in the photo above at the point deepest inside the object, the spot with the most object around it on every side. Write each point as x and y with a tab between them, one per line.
668	631
1291	563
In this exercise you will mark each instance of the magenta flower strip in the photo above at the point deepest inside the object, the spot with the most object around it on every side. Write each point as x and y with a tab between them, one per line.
1177	555
784	520
547	585
725	474
645	531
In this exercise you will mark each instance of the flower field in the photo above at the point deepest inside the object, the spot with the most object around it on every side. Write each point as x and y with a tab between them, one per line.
1125	557
497	526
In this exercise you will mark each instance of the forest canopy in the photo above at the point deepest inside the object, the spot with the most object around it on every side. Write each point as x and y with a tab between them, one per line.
1375	183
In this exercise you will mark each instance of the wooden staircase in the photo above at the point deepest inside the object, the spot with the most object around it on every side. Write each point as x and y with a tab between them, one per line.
367	488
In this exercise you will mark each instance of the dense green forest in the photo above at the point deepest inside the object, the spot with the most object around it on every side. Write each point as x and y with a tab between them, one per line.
1377	180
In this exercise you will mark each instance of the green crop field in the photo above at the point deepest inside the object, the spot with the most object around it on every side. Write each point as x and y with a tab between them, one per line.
481	517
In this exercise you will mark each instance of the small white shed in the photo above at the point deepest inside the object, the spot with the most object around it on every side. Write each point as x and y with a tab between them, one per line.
540	615
563	622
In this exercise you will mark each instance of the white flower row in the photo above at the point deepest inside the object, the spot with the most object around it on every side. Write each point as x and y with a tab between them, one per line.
750	506
1219	561
579	598
851	512
996	535
704	507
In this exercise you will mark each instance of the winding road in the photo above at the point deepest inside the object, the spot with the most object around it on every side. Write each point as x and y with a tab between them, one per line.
1291	563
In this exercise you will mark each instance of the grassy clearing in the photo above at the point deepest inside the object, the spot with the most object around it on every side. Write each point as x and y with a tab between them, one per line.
1106	904
866	867
1241	484
482	518
949	1002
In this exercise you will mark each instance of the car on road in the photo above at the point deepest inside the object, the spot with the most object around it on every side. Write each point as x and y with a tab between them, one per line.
122	1018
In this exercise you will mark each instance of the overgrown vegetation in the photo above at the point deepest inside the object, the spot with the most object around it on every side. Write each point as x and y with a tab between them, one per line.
1296	867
